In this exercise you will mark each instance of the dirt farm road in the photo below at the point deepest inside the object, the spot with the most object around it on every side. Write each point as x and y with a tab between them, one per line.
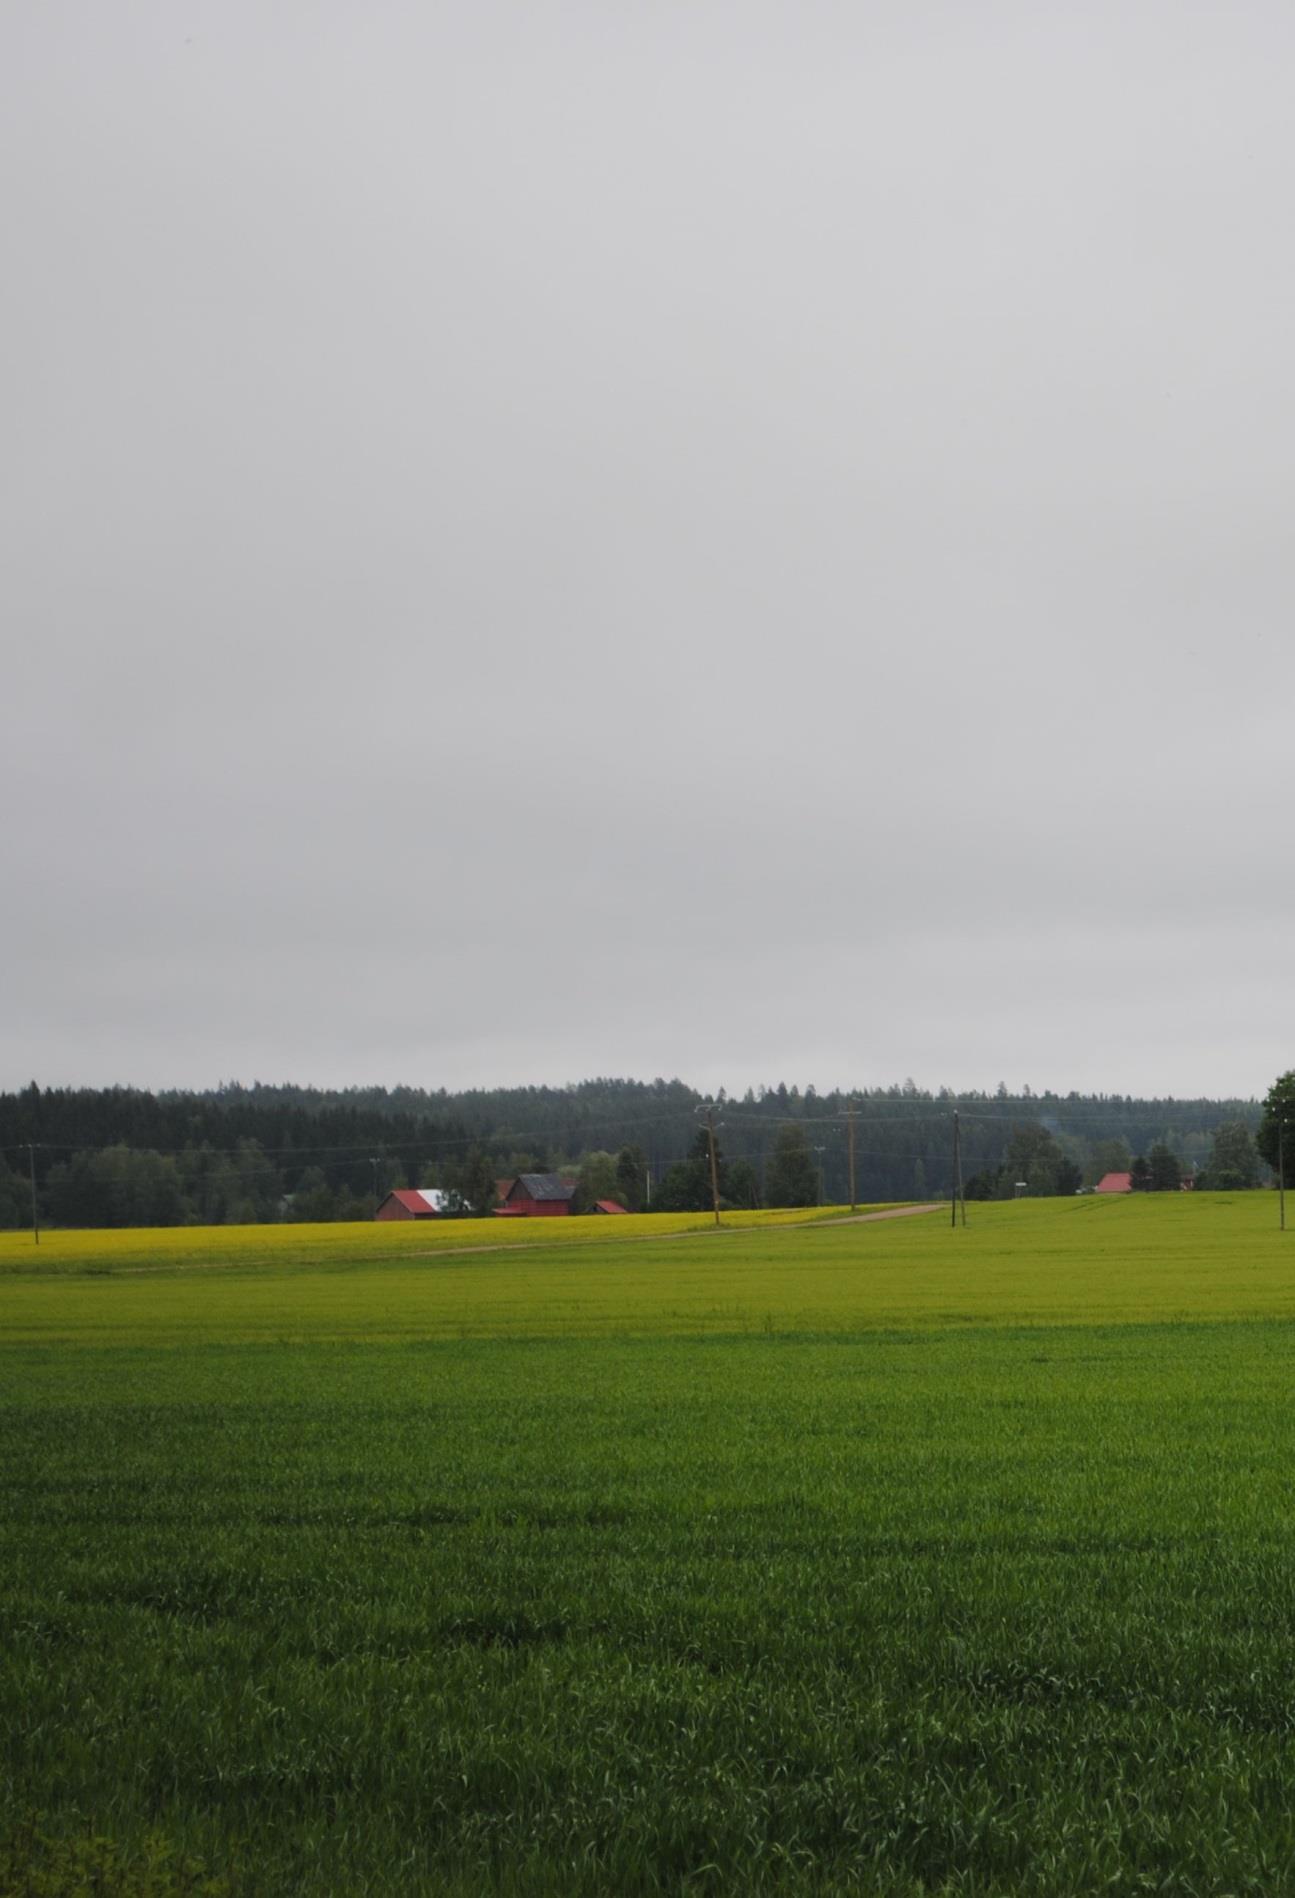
862	1219
694	1232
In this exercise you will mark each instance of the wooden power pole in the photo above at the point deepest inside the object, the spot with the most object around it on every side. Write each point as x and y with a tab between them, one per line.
849	1123
714	1164
1281	1171
31	1165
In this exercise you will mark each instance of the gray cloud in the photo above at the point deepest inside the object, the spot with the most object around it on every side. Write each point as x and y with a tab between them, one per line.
743	541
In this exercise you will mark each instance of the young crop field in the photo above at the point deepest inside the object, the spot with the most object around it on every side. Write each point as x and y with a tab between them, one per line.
876	1558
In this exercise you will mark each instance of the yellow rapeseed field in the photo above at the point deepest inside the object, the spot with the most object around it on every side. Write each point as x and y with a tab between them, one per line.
362	1243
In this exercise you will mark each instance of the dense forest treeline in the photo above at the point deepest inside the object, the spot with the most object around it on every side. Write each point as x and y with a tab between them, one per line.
124	1156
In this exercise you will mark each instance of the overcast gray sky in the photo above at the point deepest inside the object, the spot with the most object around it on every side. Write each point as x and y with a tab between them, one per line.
747	540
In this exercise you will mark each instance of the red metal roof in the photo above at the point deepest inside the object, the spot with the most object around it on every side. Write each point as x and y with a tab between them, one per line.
1114	1183
608	1206
424	1202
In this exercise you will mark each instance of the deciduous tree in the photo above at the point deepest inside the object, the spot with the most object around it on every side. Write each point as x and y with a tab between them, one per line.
1233	1164
742	1184
1279	1106
1033	1155
1107	1156
314	1199
686	1187
596	1180
473	1184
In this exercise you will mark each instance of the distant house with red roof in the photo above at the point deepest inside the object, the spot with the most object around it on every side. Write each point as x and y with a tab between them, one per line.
607	1206
1114	1183
413	1202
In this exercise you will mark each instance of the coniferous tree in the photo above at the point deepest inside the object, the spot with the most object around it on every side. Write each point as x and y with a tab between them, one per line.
791	1178
1162	1164
631	1178
15	1200
532	1129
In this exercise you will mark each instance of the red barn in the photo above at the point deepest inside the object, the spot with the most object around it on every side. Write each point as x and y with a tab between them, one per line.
1114	1183
537	1195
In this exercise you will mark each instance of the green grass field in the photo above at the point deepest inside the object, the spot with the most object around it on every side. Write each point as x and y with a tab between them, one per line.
879	1559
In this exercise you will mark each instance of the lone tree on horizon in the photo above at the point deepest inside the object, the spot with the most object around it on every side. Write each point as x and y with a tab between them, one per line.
1279	1107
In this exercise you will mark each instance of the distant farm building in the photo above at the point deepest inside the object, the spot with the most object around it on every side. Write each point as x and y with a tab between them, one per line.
413	1202
537	1195
1114	1183
607	1206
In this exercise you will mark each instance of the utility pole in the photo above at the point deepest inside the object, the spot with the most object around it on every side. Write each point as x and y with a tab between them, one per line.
714	1164
849	1122
955	1191
373	1162
31	1163
1282	1172
822	1175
